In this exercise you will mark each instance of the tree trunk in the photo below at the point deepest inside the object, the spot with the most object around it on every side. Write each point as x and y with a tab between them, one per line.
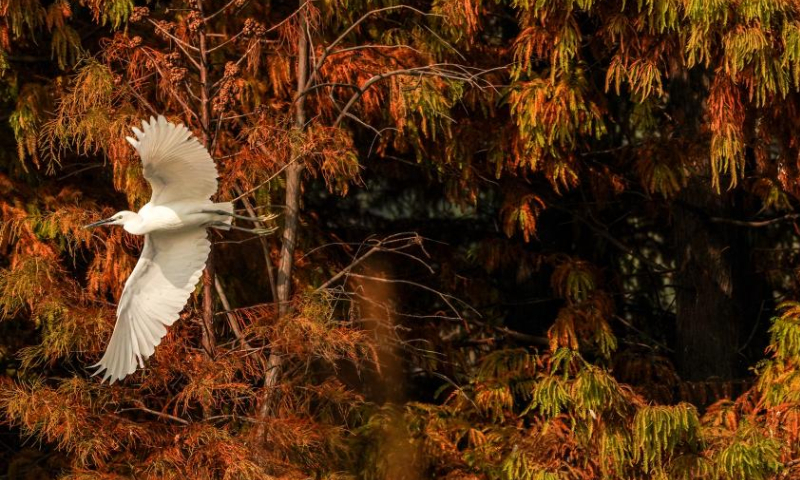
710	311
208	341
294	173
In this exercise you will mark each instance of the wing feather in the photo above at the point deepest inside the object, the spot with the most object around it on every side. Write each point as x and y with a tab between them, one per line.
174	162
154	295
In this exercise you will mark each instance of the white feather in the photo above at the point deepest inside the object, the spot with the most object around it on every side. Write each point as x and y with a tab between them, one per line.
154	295
183	177
175	163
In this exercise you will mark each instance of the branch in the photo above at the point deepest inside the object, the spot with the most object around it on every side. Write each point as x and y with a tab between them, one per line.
156	413
141	99
294	175
309	90
232	39
658	268
328	50
181	44
227	306
756	223
271	178
205	119
440	70
187	109
264	247
380	246
225	7
446	298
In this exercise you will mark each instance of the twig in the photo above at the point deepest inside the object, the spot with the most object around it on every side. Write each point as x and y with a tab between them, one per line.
271	178
181	44
227	306
329	49
625	248
408	240
264	246
645	335
156	413
232	39
440	70
446	298
225	7
756	223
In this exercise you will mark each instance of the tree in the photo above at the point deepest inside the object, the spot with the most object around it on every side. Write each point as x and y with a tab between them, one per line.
501	225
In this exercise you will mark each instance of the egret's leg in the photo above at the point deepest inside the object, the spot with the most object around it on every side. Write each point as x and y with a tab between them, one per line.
254	231
262	218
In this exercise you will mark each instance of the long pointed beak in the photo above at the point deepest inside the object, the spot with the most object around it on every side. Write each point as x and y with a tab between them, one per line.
98	223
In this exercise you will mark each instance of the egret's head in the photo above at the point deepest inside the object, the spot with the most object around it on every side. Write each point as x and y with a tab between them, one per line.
119	218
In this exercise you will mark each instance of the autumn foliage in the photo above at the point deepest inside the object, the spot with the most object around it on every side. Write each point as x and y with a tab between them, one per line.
515	239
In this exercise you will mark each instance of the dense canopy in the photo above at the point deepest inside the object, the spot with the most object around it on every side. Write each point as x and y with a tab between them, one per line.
516	239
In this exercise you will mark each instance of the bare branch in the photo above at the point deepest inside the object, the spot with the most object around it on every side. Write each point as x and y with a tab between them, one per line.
446	298
756	223
156	413
225	7
440	70
227	306
271	178
385	245
264	246
189	112
369	14
329	49
232	39
185	47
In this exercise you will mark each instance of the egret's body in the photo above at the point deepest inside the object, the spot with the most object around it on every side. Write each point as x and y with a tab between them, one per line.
172	216
183	177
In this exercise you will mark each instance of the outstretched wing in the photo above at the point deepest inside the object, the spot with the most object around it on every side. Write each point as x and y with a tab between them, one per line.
155	293
177	166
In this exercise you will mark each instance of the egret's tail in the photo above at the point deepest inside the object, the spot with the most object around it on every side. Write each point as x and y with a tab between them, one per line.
226	219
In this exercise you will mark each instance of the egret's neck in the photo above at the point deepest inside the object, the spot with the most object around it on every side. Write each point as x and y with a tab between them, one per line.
135	224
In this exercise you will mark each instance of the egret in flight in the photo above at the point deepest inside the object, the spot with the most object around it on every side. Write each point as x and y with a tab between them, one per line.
183	178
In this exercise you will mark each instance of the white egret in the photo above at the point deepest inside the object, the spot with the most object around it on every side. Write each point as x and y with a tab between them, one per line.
183	178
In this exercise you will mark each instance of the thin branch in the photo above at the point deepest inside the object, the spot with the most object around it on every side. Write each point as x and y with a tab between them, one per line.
658	268
323	85
232	39
264	247
227	306
440	70
225	7
81	170
374	12
446	298
187	109
156	413
447	44
296	12
329	49
271	178
645	335
181	44
141	99
756	223
370	47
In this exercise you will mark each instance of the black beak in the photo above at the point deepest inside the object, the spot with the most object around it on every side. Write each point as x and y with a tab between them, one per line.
98	223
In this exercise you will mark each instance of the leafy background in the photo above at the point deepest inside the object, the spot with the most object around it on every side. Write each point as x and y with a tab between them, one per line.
517	239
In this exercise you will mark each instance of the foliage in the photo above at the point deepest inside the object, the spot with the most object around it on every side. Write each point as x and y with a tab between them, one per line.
519	239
